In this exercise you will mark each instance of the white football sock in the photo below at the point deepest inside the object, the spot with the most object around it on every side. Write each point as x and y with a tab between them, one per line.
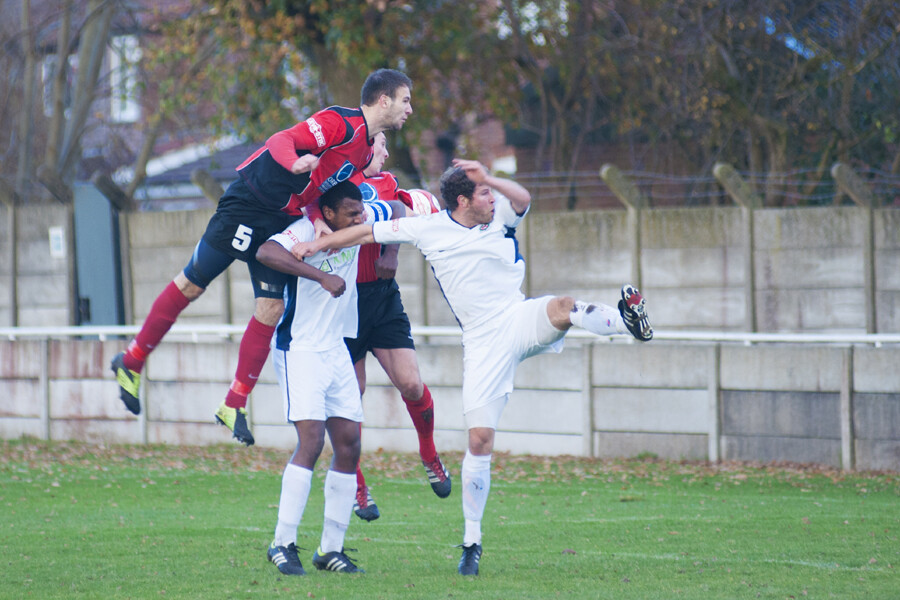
597	318
295	484
476	485
340	493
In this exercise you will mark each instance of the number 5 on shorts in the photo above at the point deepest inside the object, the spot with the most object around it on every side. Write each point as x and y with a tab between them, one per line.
242	238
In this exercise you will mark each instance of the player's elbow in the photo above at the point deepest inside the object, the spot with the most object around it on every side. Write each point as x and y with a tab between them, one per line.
521	203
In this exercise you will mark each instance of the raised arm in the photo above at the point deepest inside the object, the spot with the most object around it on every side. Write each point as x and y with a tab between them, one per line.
342	238
519	197
274	255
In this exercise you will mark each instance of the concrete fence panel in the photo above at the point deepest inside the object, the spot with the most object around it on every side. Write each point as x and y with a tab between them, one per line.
810	403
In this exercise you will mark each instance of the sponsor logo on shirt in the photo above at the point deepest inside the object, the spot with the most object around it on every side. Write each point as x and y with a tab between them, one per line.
316	130
395	225
340	257
340	175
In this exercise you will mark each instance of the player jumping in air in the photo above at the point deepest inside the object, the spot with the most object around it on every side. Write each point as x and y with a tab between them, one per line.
292	170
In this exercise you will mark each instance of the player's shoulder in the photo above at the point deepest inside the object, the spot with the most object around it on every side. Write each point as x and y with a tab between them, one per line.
435	221
337	119
338	112
344	111
301	230
341	116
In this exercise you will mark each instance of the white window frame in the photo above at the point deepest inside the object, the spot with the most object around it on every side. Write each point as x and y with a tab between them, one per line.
125	53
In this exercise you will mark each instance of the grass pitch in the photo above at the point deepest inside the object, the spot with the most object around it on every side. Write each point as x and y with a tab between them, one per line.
81	521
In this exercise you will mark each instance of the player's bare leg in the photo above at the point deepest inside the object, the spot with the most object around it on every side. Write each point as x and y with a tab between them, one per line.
402	369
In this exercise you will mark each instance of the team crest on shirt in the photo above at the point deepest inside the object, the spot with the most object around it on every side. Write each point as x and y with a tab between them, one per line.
369	193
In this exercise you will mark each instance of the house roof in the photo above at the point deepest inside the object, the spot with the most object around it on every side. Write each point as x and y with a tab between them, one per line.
221	164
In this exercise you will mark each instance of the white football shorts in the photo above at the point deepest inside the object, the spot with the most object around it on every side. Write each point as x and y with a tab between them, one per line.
492	352
317	385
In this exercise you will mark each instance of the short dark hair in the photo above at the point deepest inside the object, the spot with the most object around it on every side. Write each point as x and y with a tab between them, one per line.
455	183
336	194
383	81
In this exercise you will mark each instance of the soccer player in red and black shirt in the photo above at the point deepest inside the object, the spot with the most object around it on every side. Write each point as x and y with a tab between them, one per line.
384	330
292	170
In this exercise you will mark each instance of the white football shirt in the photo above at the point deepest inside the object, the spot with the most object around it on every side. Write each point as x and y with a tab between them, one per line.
313	319
480	270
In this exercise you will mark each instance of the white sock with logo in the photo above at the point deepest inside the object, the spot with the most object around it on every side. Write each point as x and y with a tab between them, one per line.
476	485
340	493
597	318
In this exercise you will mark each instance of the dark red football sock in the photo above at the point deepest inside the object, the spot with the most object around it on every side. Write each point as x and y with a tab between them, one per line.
360	478
165	310
422	413
252	357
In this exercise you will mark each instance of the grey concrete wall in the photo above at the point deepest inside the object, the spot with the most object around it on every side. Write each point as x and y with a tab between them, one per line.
674	400
7	269
808	267
41	280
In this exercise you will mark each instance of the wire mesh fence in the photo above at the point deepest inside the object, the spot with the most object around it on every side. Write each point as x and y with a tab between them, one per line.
582	190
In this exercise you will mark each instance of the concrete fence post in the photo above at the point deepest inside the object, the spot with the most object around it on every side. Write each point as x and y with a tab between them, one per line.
714	414
634	201
44	384
852	185
13	242
587	402
742	193
848	453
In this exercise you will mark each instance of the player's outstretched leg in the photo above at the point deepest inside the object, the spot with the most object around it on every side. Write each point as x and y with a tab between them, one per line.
633	309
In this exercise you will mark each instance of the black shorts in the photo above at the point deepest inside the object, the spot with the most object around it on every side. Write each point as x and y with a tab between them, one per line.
240	225
382	320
